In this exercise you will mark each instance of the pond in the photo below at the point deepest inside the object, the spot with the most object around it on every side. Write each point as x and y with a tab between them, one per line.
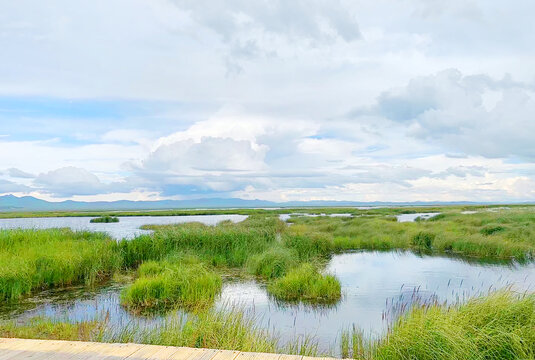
376	287
128	227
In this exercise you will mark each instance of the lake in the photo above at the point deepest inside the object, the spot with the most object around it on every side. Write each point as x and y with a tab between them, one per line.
128	227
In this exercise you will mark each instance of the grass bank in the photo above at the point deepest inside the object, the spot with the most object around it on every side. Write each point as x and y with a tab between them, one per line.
499	326
41	259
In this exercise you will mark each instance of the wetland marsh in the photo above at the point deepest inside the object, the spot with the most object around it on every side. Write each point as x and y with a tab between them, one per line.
258	274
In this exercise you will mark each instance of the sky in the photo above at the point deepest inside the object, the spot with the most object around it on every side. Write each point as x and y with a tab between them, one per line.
385	100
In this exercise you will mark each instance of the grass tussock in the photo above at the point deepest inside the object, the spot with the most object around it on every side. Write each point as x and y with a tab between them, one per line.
272	263
306	283
179	281
105	219
40	259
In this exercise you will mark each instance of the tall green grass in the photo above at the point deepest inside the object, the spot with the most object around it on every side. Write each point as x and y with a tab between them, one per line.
226	244
273	263
306	283
498	326
40	259
179	281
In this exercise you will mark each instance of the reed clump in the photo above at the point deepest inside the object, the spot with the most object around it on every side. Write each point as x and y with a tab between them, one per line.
178	281
273	263
305	283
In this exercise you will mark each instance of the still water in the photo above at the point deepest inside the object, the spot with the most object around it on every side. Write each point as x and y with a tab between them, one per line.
126	228
376	286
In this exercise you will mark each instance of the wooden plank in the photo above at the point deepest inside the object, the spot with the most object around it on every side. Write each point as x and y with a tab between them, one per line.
225	355
257	356
153	352
291	357
25	349
183	353
71	350
32	350
203	354
112	351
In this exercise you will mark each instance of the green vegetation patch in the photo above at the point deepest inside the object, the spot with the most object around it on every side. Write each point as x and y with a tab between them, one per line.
273	263
105	219
226	244
179	281
40	259
306	283
500	326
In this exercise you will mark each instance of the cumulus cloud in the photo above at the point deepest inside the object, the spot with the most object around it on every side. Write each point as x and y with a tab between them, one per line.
70	180
7	187
248	98
455	110
17	173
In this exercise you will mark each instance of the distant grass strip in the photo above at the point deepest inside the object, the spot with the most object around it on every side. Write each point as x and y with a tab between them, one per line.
305	283
40	259
179	281
500	235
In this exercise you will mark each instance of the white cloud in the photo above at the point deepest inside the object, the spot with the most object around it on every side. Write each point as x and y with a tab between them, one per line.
242	98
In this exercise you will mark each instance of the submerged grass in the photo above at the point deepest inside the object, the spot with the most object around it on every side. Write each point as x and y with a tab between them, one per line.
40	259
229	328
178	281
494	327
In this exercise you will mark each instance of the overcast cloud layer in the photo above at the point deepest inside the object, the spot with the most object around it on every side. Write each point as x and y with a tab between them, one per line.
382	100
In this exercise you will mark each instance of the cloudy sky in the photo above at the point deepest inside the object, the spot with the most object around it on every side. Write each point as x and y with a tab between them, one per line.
385	100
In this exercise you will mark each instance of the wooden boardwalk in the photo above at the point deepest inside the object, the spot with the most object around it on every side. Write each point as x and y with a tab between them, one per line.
14	349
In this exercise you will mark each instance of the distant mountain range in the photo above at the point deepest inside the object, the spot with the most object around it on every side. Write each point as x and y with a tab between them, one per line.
30	203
